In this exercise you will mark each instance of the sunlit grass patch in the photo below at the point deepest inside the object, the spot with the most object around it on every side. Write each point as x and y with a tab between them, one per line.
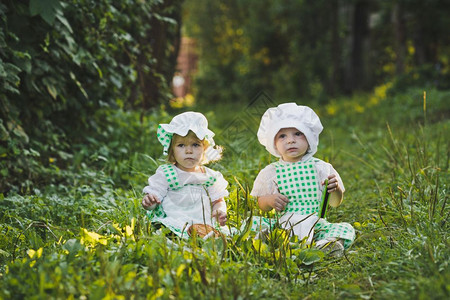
91	239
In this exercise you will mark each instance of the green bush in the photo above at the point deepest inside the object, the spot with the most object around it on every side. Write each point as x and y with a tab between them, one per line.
61	62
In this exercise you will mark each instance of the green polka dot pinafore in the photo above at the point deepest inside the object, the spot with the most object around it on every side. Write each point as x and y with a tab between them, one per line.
300	183
184	204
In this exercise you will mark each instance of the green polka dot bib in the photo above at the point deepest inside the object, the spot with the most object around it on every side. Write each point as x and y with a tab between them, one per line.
174	183
299	182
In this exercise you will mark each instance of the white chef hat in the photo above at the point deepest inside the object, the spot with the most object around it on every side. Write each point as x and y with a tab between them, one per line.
289	115
181	124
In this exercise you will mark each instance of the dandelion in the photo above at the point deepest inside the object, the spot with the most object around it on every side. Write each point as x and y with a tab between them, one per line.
359	108
331	109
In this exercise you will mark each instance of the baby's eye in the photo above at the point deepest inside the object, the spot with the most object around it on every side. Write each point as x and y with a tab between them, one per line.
180	145
299	133
282	136
196	145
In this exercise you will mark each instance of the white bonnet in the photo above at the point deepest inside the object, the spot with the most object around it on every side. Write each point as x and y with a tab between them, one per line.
181	124
288	115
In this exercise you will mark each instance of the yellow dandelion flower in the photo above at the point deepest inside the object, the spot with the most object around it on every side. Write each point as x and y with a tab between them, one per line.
359	108
331	109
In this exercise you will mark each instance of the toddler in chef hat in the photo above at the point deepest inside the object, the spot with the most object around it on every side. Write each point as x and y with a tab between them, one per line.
183	191
293	186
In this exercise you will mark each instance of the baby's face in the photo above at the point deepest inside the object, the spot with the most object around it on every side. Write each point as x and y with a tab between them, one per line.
188	152
291	143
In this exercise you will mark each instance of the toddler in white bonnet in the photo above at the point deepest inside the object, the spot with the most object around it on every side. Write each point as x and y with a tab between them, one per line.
293	186
183	192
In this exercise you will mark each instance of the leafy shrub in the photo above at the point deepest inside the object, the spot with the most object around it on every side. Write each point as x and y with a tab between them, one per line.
62	61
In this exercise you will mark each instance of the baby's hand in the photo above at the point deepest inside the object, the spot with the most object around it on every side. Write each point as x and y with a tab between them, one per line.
150	201
333	184
221	216
278	201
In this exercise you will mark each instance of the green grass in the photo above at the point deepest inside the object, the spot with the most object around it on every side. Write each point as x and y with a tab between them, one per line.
88	238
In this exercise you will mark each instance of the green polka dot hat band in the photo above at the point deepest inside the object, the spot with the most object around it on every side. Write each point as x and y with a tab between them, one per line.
181	124
164	138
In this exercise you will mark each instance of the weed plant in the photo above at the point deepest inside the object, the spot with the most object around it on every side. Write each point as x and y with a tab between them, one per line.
87	237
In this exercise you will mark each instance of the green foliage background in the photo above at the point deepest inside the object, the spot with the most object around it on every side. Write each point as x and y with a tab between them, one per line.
61	62
316	49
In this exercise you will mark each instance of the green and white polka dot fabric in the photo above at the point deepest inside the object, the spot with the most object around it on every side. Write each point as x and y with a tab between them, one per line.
324	229
298	181
164	138
174	183
171	176
158	214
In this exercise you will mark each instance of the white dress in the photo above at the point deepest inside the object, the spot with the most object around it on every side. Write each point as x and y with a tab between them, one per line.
186	197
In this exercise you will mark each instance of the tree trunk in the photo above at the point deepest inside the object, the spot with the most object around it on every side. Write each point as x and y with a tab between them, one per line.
400	38
336	76
164	44
360	30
